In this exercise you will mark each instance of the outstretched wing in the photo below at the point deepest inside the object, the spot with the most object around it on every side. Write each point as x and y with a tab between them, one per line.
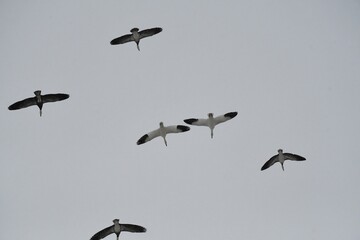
225	117
149	32
197	121
23	103
176	129
294	157
103	233
148	137
132	228
123	39
54	97
270	162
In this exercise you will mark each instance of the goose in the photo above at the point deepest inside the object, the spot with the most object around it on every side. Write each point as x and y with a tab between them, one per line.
136	36
38	100
281	157
117	228
211	122
162	131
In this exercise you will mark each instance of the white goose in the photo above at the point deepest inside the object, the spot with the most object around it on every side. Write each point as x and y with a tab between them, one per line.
281	157
117	228
211	122
162	131
136	36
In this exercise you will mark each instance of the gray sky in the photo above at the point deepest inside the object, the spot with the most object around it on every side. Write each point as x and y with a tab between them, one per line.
290	68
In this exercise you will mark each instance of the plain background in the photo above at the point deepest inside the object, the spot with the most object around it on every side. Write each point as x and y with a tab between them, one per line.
290	69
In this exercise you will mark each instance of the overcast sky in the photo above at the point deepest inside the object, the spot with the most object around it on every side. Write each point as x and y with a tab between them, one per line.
290	69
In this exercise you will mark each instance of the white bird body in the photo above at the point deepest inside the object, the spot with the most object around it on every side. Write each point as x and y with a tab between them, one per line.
281	157
117	228
211	122
162	131
136	36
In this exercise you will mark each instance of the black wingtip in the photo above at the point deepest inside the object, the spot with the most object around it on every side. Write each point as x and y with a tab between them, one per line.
183	128
142	140
231	114
63	96
264	167
190	120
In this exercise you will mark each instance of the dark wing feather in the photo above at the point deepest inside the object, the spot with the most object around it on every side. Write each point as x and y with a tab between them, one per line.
132	228
23	103
54	97
103	233
182	128
231	115
123	39
294	157
269	163
143	139
190	120
149	32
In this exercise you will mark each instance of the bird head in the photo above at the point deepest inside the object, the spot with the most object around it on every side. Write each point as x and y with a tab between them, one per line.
161	124
115	220
280	150
210	115
37	92
134	30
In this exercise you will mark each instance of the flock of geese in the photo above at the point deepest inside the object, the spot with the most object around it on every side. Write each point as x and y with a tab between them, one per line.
162	131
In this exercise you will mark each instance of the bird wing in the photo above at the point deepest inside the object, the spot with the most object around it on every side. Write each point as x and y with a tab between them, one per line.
225	117
23	103
54	97
294	157
123	39
103	233
148	137
176	129
132	228
149	32
197	121
270	162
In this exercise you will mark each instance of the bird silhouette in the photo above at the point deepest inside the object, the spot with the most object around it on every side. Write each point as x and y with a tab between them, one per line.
211	122
117	228
281	157
162	131
136	36
38	100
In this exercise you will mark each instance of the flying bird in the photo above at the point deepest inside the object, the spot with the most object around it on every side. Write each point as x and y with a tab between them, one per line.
136	36
211	122
162	131
38	100
117	228
281	157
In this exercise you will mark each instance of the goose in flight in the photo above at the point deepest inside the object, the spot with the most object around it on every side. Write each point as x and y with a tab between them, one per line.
211	122
281	157
136	36
162	131
117	228
38	100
